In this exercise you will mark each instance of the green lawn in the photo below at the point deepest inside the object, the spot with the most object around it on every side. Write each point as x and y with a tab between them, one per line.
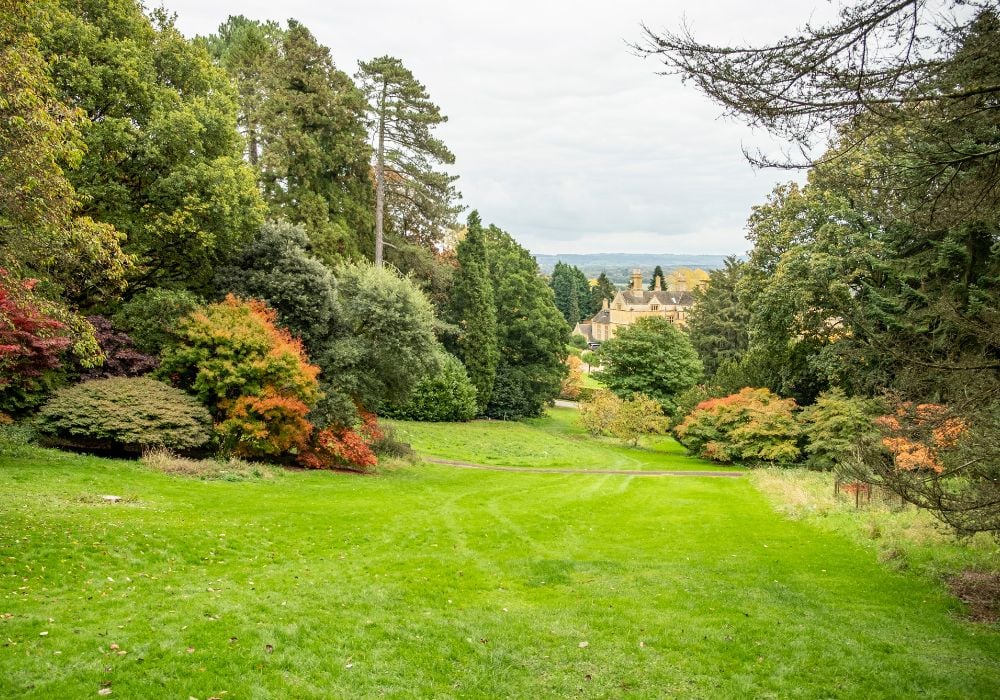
555	441
428	581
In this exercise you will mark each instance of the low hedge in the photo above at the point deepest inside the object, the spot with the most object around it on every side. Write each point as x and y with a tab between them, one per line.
124	414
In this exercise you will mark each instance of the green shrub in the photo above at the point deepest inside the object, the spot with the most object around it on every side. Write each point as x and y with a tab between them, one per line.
834	426
578	341
152	317
628	420
277	268
17	439
447	395
127	414
752	424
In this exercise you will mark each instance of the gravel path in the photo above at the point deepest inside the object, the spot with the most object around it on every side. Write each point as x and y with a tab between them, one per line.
623	472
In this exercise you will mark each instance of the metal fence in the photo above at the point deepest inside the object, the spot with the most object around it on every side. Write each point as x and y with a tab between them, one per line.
865	495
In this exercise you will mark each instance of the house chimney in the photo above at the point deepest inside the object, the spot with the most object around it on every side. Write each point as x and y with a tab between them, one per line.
636	280
657	284
604	304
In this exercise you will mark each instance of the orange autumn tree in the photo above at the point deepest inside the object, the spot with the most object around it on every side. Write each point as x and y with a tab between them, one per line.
915	435
252	374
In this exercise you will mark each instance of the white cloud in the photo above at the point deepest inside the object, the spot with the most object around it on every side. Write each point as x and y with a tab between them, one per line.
562	136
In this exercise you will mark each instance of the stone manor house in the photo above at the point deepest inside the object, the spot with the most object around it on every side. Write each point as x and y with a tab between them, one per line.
634	303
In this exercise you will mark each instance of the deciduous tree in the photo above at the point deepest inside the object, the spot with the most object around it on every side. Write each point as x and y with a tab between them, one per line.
650	357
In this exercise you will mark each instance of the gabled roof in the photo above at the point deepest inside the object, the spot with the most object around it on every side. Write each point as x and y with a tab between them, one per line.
645	297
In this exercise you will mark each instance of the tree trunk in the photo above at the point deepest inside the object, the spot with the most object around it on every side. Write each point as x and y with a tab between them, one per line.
380	179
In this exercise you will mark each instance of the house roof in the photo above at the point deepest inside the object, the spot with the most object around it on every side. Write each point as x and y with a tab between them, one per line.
586	330
645	296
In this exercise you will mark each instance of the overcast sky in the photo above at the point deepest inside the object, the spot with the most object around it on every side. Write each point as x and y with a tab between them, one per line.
562	136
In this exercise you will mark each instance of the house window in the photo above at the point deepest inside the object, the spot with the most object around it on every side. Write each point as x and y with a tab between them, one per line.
654	307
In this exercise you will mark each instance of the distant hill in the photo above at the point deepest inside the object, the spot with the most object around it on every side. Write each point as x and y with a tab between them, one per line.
619	266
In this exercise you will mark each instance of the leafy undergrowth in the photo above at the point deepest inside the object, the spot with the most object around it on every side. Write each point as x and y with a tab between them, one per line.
556	440
434	582
904	538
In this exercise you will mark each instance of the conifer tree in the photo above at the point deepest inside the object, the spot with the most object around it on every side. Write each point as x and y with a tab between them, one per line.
566	295
604	289
658	272
474	312
532	337
582	285
315	161
406	154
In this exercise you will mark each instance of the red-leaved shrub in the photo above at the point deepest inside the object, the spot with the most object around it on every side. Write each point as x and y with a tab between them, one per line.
31	344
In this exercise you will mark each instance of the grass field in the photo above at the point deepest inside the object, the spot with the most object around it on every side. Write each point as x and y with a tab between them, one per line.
556	441
427	581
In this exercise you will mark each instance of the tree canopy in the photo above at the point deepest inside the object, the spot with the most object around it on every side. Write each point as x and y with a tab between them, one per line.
650	357
419	199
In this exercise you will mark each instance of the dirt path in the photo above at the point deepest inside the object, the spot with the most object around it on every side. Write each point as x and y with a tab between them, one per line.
623	472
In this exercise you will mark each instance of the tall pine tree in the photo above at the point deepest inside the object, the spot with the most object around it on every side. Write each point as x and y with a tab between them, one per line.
407	185
565	290
474	312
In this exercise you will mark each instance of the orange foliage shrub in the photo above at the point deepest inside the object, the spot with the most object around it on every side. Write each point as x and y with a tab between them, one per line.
344	447
752	424
269	424
573	381
915	434
251	373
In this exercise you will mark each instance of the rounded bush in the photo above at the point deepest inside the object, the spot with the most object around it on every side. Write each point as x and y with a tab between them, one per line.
128	414
447	395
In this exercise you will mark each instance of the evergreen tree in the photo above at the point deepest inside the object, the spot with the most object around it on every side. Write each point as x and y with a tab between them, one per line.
658	272
474	312
582	285
604	289
718	324
315	160
572	292
249	51
407	185
533	335
565	293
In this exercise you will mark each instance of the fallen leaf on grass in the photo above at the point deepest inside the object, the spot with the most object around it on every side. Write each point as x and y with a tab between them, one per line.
584	645
190	650
268	648
104	691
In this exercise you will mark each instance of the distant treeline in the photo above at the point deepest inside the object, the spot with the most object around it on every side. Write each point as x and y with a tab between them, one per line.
619	266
